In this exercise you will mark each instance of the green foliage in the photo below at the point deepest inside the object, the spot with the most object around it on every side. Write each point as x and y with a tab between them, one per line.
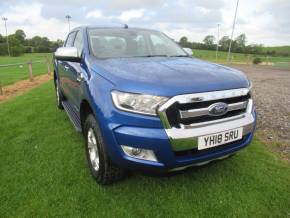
224	43
28	49
16	47
2	40
19	44
209	42
257	60
20	35
3	49
16	51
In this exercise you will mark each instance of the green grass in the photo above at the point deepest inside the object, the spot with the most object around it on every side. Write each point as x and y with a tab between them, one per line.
237	57
12	74
43	173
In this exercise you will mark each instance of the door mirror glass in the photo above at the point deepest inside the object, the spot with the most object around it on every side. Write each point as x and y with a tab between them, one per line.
188	51
68	54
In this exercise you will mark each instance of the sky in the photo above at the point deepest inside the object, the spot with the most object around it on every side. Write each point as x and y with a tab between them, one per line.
263	21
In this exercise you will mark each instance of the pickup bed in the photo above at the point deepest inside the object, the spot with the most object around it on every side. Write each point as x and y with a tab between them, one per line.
143	103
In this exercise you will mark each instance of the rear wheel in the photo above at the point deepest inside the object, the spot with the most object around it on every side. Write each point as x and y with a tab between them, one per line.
100	165
59	96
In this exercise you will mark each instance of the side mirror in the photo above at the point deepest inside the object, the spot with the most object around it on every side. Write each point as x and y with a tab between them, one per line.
188	51
67	54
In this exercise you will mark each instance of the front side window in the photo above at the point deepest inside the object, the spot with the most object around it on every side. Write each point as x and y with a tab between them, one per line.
78	43
70	39
121	43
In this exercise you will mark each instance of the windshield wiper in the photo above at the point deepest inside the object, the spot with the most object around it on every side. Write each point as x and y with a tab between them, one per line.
179	56
150	56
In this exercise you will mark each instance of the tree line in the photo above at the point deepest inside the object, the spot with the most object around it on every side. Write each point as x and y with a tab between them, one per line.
239	45
19	44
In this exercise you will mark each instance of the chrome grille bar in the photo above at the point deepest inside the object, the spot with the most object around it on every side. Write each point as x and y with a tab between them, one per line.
205	111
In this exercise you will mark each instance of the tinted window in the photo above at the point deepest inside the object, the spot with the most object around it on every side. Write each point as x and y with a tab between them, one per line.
70	39
79	42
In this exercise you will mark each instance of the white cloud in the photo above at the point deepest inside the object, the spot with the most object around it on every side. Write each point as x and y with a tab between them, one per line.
28	18
131	14
94	14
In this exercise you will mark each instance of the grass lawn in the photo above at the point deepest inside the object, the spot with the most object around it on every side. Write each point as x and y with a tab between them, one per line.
11	74
43	173
237	57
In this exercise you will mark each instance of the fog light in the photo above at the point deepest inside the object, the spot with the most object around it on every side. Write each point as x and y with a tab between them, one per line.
139	153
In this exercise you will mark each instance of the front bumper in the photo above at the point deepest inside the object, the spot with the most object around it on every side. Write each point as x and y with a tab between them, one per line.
168	144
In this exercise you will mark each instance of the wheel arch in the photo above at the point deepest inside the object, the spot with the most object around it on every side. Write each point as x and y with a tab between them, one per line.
85	110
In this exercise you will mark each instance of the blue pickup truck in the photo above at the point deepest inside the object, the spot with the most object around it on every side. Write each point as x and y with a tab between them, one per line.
144	103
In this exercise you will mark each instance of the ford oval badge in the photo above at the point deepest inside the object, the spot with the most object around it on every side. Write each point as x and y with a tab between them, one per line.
218	109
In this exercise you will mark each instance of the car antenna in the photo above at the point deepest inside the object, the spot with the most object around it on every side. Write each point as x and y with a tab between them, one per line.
126	26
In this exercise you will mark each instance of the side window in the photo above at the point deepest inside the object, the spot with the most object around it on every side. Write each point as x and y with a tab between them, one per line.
79	44
70	39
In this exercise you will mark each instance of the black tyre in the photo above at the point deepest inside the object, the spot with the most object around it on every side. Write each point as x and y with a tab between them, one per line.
59	95
100	165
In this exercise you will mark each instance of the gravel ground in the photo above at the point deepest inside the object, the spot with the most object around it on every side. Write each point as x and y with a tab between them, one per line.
271	91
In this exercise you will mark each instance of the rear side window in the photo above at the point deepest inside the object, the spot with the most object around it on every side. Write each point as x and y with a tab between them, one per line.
70	39
79	44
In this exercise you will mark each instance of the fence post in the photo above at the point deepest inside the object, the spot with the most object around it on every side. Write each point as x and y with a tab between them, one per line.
30	71
1	91
48	66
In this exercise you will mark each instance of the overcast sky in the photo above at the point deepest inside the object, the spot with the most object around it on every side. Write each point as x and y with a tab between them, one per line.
263	21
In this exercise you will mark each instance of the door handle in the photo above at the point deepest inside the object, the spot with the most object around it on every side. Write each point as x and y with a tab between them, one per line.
66	68
80	77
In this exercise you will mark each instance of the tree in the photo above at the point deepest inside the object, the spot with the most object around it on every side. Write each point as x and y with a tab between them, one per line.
254	49
16	48
184	42
2	39
35	41
183	39
240	43
224	43
209	40
20	35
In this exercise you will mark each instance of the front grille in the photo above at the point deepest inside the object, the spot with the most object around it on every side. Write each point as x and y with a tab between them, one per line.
180	114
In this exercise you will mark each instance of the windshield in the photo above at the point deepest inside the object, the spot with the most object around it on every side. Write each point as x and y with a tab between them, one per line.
121	43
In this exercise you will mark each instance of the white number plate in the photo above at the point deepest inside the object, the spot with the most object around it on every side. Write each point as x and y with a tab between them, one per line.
213	140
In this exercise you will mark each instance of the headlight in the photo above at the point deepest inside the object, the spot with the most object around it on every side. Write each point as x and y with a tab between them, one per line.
137	103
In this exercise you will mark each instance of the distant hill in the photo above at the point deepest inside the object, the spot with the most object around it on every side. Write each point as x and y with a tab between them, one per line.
279	50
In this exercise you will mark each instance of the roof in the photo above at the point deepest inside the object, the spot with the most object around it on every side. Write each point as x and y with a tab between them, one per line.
110	27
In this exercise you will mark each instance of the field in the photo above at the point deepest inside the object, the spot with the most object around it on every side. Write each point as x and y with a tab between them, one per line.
11	74
237	57
43	173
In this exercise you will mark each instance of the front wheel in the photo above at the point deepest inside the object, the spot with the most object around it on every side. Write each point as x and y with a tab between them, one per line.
100	165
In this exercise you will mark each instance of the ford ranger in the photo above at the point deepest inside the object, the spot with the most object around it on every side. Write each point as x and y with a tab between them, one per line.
144	103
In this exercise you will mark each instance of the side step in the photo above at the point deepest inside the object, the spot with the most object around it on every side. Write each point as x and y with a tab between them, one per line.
73	115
